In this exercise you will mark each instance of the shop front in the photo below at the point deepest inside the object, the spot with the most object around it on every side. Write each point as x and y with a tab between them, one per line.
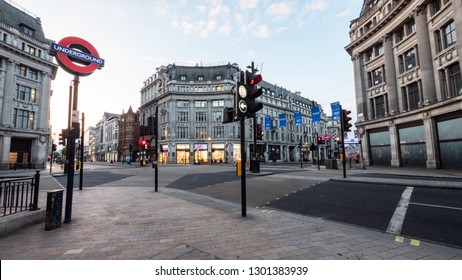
182	153
163	153
218	153
200	153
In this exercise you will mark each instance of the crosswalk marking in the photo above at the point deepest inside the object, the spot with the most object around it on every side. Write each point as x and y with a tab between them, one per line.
396	222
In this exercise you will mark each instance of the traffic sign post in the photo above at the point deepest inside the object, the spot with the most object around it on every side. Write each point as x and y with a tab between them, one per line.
79	58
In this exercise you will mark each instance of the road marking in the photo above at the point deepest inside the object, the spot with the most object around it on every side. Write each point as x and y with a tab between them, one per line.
436	206
399	239
396	222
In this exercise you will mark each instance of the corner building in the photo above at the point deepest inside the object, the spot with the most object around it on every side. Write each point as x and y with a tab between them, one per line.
190	101
26	72
407	59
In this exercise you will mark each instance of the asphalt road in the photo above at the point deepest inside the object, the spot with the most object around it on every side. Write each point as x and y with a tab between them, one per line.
431	214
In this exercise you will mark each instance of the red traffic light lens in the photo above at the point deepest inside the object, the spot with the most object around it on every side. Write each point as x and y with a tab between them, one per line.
255	79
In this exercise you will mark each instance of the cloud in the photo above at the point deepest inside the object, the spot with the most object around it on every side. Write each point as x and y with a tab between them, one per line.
262	31
280	10
248	4
207	28
316	5
243	19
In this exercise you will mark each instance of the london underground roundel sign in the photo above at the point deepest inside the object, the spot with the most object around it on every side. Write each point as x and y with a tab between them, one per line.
77	56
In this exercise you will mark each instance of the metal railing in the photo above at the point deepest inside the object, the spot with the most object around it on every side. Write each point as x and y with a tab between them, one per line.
19	194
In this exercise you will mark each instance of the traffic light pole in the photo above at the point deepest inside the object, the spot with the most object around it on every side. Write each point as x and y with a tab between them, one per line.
243	161
51	155
343	142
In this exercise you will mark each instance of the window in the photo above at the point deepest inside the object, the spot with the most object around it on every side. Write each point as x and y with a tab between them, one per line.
182	77
23	119
368	55
218	77
27	72
446	36
451	80
31	50
33	74
201	132
21	70
450	34
380	107
200	103
410	59
379	49
25	93
410	27
377	77
201	116
218	103
411	96
407	61
200	78
183	117
217	116
455	79
182	104
218	88
436	6
183	132
399	35
218	132
27	30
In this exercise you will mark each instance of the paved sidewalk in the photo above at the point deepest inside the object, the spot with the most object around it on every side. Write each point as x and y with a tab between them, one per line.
126	220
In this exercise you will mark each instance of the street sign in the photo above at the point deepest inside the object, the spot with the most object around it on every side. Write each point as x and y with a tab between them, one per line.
352	142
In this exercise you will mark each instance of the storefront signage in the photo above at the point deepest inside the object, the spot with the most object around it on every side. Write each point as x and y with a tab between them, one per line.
77	56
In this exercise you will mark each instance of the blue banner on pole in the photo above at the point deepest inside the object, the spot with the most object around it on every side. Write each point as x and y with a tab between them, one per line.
335	110
298	118
282	120
315	114
268	123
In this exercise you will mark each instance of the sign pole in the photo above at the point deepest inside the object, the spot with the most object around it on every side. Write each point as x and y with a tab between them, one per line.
243	161
82	134
71	152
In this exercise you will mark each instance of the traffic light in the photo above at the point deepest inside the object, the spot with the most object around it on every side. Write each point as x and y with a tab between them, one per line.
246	94
346	125
144	143
319	140
62	137
260	132
227	115
152	126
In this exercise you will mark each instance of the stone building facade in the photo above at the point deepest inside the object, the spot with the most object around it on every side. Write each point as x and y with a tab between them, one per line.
190	101
407	57
129	132
26	72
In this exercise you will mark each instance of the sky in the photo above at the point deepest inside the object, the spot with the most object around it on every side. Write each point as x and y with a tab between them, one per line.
295	44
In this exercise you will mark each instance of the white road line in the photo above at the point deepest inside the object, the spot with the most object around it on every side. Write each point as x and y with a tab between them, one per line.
436	206
396	222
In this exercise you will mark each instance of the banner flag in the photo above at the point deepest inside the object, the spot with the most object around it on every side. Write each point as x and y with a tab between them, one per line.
315	114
